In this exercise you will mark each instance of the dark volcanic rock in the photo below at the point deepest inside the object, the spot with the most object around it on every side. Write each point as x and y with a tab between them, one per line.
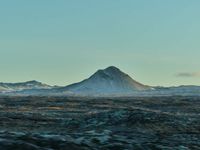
58	123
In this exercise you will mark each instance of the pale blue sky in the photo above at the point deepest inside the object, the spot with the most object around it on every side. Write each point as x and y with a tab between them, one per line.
157	42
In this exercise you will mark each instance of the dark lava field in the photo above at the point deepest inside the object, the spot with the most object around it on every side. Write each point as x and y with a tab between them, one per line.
67	123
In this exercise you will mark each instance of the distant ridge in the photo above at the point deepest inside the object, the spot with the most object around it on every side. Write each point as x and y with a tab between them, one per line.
10	87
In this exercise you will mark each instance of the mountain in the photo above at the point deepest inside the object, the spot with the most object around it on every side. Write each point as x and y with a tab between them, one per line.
29	85
108	81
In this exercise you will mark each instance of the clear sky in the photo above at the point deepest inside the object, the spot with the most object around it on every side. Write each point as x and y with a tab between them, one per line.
157	42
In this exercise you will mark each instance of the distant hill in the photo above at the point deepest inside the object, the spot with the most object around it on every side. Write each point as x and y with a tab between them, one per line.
110	80
29	85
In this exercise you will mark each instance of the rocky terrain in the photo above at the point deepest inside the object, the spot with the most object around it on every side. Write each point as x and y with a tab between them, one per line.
68	123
